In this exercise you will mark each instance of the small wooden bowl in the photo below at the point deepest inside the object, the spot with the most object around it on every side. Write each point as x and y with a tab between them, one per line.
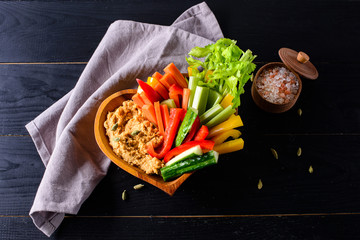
267	105
110	104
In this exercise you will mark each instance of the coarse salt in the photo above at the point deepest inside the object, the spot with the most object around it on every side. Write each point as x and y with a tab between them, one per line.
278	85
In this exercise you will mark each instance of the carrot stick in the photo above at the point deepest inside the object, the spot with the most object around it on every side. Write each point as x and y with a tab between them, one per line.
167	80
137	99
158	117
165	115
149	113
161	90
174	71
157	75
144	98
186	96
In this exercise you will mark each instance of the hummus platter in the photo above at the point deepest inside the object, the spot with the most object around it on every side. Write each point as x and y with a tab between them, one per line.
175	123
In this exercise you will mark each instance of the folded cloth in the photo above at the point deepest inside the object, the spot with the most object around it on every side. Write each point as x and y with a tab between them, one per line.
63	134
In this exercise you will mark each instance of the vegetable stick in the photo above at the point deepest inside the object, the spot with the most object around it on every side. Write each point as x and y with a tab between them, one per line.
149	113
157	75
165	115
185	100
158	117
174	71
137	99
167	80
144	98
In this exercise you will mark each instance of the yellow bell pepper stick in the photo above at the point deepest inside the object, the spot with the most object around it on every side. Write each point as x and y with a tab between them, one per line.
230	146
152	81
227	100
218	139
233	121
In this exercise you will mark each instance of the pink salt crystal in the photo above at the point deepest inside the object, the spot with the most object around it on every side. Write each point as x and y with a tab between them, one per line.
278	85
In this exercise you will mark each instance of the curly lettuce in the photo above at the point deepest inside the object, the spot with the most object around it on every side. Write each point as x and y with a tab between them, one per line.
225	67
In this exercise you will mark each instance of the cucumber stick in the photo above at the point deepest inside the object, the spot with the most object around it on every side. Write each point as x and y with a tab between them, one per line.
222	116
193	81
185	126
213	98
192	152
169	102
189	165
200	99
211	113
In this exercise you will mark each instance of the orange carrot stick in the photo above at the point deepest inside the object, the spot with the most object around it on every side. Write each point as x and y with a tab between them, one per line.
158	117
167	80
137	99
185	99
149	113
157	75
174	71
144	98
165	115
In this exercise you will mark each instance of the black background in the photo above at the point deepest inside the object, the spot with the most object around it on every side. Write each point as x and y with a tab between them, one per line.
44	47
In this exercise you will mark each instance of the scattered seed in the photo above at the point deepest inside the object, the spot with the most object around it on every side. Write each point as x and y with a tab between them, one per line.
135	132
299	151
260	184
124	195
273	151
115	127
311	170
299	111
116	139
138	186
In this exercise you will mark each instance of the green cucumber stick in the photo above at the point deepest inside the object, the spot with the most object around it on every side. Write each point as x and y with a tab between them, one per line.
185	126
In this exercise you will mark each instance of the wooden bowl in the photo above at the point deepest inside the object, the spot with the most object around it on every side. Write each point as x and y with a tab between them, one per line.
267	105
110	104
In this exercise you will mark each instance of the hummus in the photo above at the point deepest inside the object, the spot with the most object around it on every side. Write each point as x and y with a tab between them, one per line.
129	132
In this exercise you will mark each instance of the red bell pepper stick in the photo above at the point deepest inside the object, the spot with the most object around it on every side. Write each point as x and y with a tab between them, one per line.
202	133
175	92
204	144
170	134
150	93
193	130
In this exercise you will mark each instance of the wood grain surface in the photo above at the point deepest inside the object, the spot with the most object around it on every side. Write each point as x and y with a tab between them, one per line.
46	45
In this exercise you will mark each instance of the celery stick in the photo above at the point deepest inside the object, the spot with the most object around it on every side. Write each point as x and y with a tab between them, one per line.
192	86
214	98
211	113
222	116
169	102
200	99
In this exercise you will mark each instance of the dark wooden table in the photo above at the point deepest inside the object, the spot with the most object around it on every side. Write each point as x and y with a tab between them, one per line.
44	47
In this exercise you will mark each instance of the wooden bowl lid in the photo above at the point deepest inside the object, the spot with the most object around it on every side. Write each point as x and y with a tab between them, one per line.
299	62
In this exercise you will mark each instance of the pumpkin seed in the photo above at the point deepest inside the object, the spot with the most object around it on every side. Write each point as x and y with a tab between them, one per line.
115	127
116	139
273	151
124	195
135	132
299	151
260	184
299	111
138	186
311	170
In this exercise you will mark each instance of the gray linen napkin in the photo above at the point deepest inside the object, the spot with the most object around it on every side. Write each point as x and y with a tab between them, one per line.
63	134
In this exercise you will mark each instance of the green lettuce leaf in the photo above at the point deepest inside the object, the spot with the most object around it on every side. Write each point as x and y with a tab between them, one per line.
230	67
